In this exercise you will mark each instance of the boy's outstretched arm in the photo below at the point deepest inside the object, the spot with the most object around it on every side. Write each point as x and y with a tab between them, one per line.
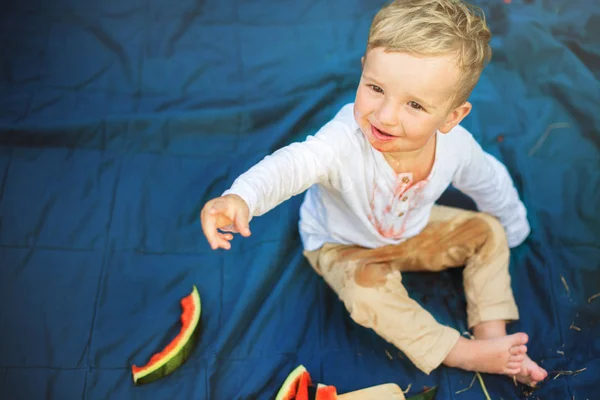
487	181
277	177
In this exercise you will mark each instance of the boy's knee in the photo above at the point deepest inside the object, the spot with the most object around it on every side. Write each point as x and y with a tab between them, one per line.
361	303
494	229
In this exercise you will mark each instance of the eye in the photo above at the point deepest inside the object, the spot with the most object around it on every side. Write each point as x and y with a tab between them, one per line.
376	88
415	105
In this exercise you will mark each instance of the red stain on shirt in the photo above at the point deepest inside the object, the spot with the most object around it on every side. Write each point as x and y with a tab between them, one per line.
382	216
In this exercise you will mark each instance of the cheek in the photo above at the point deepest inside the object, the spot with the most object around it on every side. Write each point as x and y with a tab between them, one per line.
417	125
361	110
363	103
411	125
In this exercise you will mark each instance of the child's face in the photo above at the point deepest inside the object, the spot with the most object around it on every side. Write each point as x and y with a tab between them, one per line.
402	100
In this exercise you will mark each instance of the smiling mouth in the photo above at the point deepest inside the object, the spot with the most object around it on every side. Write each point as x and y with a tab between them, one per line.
381	135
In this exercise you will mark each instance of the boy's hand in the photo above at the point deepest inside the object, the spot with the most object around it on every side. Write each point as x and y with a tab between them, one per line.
228	213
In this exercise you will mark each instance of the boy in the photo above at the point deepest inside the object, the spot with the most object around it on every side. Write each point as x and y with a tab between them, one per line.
372	176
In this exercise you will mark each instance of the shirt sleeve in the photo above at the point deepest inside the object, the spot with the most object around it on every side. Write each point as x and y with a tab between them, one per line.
291	170
487	181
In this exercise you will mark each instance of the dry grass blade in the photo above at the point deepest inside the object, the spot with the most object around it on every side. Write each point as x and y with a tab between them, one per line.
387	353
562	278
469	387
487	395
543	138
593	297
573	373
575	327
407	388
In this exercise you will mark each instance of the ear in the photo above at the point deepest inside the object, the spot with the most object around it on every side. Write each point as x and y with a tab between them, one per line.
362	61
455	116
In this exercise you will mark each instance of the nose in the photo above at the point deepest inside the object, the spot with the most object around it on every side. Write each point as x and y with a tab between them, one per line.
387	114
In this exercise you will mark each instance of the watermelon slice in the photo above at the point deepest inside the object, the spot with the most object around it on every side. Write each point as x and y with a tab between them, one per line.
299	386
290	386
177	352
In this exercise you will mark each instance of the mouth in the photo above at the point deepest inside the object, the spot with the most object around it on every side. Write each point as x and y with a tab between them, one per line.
381	135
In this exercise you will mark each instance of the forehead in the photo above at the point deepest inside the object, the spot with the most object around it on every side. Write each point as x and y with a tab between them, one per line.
434	77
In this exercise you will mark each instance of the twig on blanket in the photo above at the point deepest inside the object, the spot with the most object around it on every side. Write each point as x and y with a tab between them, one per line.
543	138
575	327
562	278
487	395
407	388
593	297
387	353
572	373
467	388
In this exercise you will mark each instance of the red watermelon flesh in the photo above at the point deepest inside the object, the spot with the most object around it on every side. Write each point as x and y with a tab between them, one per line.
326	393
305	382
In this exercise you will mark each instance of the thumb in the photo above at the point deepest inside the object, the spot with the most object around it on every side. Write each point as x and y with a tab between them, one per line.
241	222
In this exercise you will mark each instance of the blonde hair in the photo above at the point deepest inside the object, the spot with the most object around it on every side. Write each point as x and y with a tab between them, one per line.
436	27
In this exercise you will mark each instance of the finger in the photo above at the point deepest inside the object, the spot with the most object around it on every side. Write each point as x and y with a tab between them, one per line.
226	236
223	244
210	231
221	241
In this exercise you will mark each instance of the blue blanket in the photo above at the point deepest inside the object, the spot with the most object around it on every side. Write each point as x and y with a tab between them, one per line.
120	119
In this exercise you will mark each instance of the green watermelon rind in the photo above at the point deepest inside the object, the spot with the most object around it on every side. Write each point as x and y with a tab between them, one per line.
172	360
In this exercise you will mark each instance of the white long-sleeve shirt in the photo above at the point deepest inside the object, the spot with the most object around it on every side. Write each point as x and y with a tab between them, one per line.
354	197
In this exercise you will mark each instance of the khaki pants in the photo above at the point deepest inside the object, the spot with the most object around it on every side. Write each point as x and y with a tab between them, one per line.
369	281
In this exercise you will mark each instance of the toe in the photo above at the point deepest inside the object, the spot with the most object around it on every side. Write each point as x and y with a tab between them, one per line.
537	373
520	338
513	371
513	365
517	357
518	350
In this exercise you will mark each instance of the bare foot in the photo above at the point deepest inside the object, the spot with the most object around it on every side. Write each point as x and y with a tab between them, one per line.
531	373
500	355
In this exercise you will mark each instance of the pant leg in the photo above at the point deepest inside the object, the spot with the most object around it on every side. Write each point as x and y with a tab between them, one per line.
376	298
369	281
456	237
